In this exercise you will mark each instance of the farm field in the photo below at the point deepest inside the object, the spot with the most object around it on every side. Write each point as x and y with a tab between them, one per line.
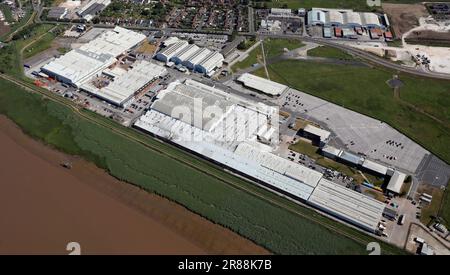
159	168
343	85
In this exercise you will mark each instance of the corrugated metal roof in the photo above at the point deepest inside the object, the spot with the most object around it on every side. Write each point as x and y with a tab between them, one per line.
396	182
347	204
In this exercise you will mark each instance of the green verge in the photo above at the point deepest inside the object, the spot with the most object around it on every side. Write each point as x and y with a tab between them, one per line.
269	220
329	52
365	90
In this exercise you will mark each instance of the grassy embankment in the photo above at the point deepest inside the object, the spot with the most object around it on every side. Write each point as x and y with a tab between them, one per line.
329	52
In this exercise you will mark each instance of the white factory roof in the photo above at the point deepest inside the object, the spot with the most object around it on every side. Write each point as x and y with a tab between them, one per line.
352	18
342	16
261	84
280	165
331	150
173	49
78	65
369	18
280	11
114	42
347	204
127	84
323	134
212	61
396	182
186	52
376	167
335	16
198	56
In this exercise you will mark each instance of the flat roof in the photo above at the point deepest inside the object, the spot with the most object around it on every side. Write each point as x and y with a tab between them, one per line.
128	83
323	134
352	158
347	204
261	84
396	182
79	65
189	101
373	166
331	150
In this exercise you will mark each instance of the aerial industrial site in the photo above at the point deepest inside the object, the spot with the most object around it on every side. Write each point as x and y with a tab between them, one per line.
270	127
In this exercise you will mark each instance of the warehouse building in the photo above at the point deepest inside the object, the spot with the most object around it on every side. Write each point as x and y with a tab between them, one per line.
317	135
184	54
210	63
92	9
194	58
396	183
374	167
79	65
262	85
343	17
171	51
348	205
125	84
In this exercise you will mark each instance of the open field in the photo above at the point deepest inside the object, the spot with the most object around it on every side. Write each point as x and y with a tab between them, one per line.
329	52
404	17
272	48
277	224
424	117
10	59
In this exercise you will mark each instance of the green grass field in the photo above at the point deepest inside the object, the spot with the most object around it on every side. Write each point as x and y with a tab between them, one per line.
272	48
329	52
176	175
364	90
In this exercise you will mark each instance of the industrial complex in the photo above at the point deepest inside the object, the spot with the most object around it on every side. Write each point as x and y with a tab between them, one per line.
232	99
242	139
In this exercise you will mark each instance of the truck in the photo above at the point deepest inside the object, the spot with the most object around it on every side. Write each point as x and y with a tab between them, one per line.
401	220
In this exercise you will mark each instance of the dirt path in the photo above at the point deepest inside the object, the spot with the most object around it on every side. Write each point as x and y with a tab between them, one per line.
44	206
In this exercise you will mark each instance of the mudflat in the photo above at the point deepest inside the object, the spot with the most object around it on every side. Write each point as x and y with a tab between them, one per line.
44	206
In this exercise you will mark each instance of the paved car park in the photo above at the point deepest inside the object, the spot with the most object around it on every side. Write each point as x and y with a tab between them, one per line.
356	132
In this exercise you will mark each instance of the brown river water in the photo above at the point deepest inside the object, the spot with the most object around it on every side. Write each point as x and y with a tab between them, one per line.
44	206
